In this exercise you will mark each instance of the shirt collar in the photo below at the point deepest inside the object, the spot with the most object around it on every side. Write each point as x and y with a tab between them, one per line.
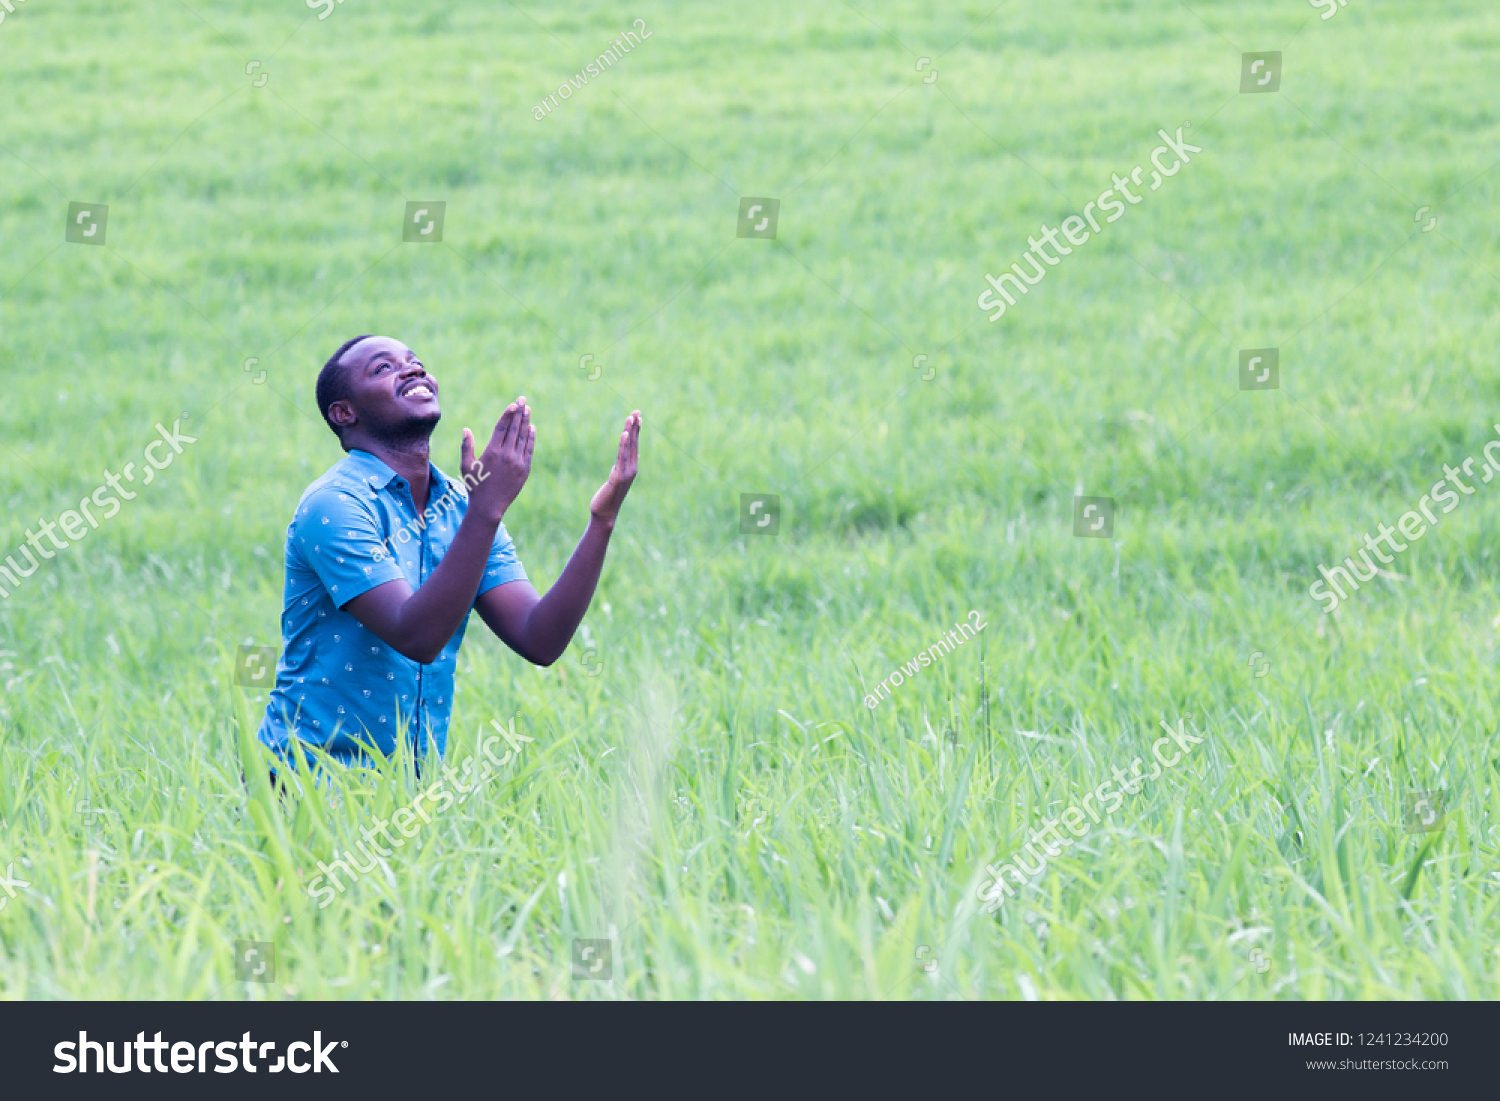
374	472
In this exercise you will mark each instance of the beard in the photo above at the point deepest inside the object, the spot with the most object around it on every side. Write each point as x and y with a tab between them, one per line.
405	432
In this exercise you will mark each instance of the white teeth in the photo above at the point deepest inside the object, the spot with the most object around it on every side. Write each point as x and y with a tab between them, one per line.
419	390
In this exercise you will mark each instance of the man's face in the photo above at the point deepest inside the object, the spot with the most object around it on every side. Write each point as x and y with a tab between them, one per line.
394	398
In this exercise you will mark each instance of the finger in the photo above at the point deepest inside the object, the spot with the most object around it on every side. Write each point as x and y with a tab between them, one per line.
519	424
625	438
523	429
631	447
504	426
530	445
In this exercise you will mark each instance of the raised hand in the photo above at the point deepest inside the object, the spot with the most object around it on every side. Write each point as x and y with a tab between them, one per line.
496	478
605	506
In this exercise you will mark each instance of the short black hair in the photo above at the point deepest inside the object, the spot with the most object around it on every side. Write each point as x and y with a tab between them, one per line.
333	381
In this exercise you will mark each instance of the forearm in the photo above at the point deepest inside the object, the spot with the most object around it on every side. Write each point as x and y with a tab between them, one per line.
539	628
552	620
433	613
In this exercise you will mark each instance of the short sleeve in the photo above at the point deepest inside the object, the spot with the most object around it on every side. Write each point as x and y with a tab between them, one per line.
503	565
338	536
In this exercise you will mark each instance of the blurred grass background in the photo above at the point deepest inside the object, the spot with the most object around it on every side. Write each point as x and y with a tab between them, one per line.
696	800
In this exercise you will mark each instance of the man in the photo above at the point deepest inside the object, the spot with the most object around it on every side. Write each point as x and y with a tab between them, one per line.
386	555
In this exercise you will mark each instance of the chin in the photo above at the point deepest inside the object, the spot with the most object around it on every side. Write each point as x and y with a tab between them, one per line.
408	429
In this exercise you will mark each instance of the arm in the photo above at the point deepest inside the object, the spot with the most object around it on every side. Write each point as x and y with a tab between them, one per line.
539	628
419	624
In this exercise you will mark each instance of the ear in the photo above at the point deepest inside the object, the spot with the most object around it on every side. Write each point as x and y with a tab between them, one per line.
342	414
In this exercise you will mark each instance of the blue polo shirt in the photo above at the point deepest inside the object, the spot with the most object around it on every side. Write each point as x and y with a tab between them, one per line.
357	527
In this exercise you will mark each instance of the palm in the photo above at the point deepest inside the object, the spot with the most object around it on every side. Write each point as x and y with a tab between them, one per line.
611	495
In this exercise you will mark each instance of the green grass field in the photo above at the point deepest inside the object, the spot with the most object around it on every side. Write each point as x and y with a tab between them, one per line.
706	787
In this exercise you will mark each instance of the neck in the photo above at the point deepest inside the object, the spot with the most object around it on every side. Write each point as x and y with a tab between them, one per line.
408	460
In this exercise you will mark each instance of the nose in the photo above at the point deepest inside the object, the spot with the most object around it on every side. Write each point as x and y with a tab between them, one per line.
411	371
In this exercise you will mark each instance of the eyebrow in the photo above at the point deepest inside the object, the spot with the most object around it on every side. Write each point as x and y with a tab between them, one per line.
389	357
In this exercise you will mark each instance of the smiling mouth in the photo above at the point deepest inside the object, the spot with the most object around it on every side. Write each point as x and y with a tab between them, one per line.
418	390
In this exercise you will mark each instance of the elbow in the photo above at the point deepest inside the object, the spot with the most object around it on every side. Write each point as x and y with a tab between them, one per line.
544	657
422	656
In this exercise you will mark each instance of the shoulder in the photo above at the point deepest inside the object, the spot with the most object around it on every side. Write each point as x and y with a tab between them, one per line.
341	494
